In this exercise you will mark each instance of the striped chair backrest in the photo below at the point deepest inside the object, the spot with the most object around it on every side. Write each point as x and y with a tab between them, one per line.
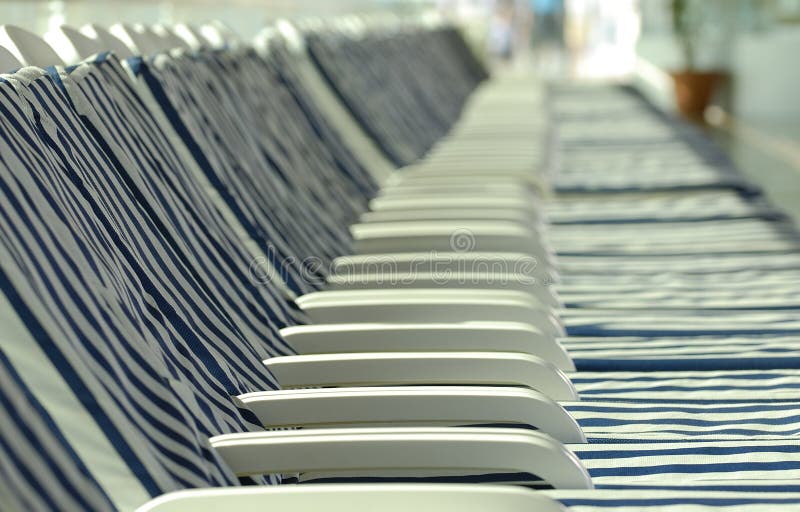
109	103
147	347
257	177
260	148
412	101
39	469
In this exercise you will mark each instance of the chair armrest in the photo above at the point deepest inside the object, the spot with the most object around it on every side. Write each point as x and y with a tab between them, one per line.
471	201
450	263
411	294
423	368
500	188
463	337
424	406
427	261
449	236
424	451
454	214
357	497
432	177
379	309
444	178
488	283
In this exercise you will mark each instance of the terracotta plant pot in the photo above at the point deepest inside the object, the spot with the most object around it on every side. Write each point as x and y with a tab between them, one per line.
694	91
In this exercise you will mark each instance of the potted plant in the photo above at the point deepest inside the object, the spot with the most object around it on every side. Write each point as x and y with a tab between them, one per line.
694	88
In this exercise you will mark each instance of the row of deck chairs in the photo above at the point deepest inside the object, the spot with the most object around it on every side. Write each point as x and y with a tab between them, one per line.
342	268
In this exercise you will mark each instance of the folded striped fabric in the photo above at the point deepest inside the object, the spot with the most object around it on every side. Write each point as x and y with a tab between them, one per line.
688	207
745	465
609	420
653	386
691	323
761	351
701	501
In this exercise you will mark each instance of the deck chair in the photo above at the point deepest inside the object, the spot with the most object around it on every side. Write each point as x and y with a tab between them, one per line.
558	384
589	326
198	200
143	353
348	331
161	317
230	355
515	335
351	272
58	420
312	372
438	238
374	363
289	274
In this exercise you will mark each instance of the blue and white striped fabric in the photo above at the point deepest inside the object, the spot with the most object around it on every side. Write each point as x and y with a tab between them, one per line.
694	265
689	386
618	354
246	152
630	500
207	304
103	93
31	446
750	465
616	420
405	105
688	207
91	349
757	297
644	152
682	280
284	67
651	323
719	238
151	353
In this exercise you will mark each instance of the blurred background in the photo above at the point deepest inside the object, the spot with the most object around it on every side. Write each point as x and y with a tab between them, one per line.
729	65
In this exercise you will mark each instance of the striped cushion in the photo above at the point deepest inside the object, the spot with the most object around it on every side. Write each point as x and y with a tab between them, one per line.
690	386
689	323
605	421
688	207
613	354
722	464
676	501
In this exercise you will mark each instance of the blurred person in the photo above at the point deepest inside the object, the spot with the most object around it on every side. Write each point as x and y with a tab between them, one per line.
501	30
600	37
577	30
523	30
548	22
547	36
